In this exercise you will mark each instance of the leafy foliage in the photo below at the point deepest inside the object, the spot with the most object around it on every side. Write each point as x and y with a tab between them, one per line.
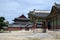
2	23
2	19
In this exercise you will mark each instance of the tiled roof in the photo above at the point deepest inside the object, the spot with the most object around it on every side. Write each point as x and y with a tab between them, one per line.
57	6
21	25
22	17
16	25
29	25
40	13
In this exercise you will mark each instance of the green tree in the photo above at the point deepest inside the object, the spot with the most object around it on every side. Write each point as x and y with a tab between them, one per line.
2	23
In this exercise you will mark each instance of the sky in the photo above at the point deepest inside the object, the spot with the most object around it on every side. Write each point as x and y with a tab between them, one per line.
11	9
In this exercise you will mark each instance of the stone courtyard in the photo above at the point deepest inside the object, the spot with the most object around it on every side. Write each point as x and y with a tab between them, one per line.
26	35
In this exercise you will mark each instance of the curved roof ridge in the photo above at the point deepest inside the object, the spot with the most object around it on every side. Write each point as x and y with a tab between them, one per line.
22	16
41	10
56	4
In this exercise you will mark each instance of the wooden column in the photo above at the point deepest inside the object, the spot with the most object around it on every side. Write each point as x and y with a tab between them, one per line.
35	23
53	23
46	24
56	22
34	27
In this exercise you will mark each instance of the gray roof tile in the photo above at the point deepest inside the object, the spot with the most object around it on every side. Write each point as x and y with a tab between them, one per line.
40	13
57	6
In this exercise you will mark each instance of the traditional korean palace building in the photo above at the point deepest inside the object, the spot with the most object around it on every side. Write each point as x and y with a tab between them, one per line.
40	19
49	19
54	17
20	23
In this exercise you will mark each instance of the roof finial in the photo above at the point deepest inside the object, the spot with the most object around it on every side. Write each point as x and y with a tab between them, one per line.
55	3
